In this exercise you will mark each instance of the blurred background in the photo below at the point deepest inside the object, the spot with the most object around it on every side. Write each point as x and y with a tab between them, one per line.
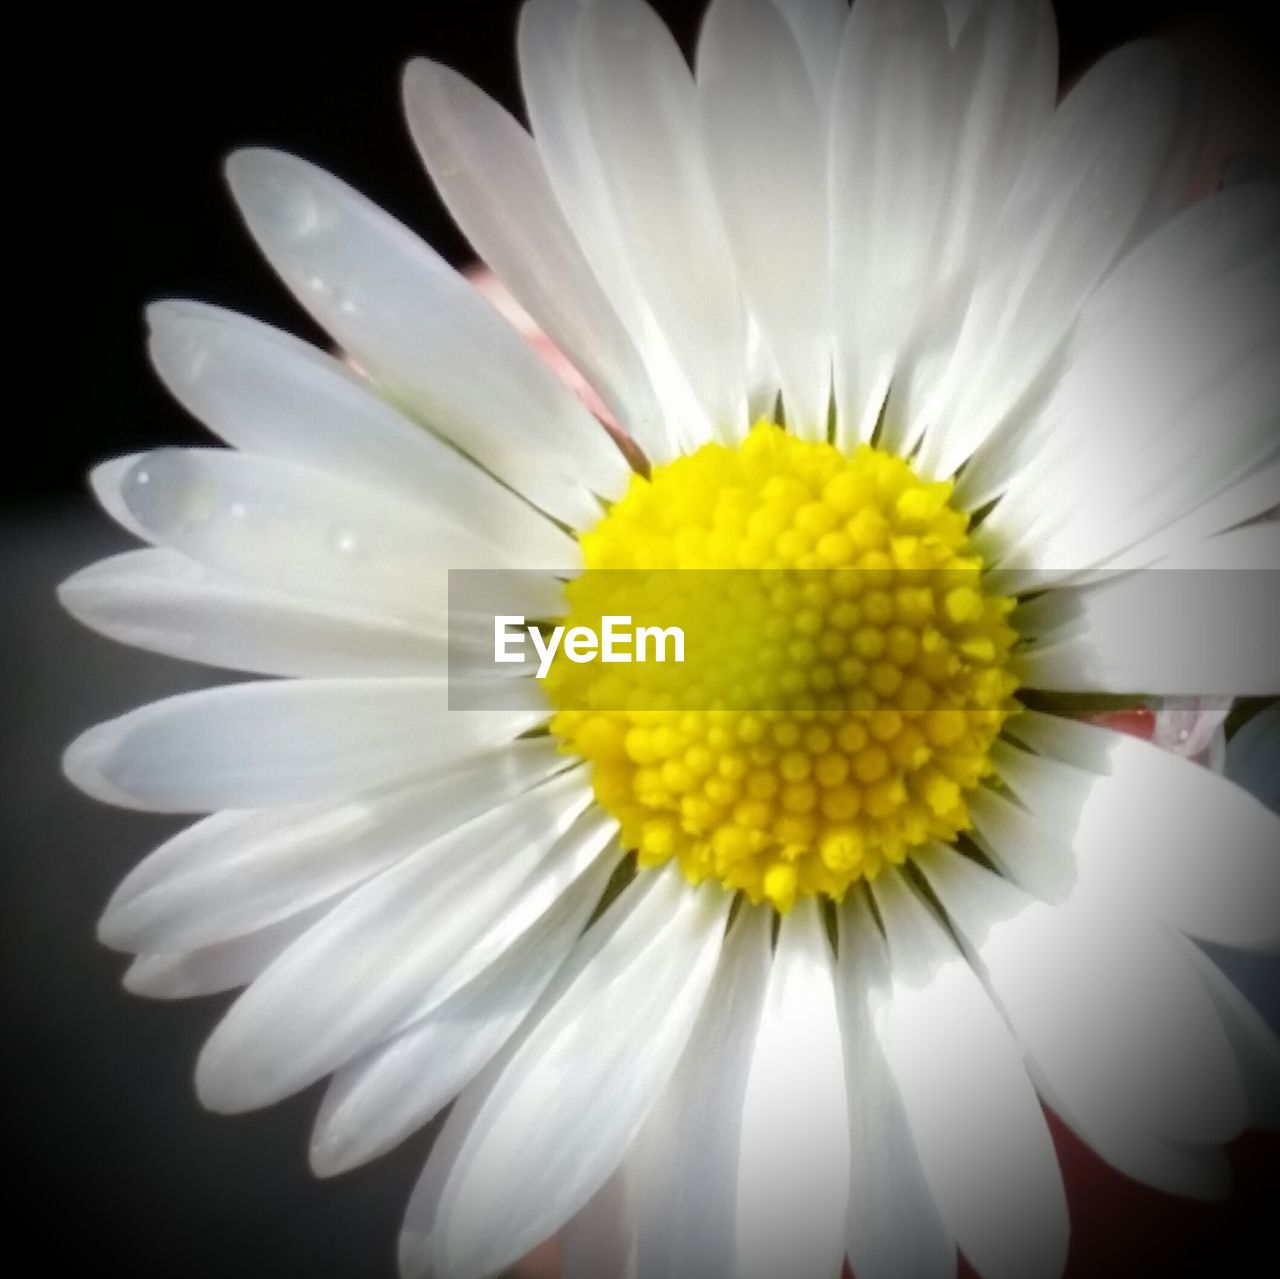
119	158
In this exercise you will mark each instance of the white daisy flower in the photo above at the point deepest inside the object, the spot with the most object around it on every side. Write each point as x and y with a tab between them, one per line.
731	993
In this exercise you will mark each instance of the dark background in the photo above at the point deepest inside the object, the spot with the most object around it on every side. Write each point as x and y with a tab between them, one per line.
117	144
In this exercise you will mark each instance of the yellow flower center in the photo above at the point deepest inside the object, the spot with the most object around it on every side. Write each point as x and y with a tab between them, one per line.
846	674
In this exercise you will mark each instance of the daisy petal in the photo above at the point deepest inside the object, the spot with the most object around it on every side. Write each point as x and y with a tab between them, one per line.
222	966
1203	621
490	175
959	12
160	600
893	1223
1175	840
1165	400
1245	500
547	41
242	870
525	1152
818	28
981	1135
265	392
279	742
890	139
684	1165
669	1208
1177	1168
107	481
641	103
1256	1044
421	332
287	527
1172	188
793	1173
376	1102
759	115
1161	280
399	946
1004	69
601	1238
1033	854
1106	1008
1073	207
548	36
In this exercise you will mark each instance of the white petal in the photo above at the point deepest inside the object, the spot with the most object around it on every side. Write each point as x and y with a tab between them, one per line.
793	1174
1172	188
1203	622
377	1101
890	141
818	27
1031	852
1161	279
279	742
640	101
268	393
1252	549
1192	726
600	1239
106	480
526	1152
893	1225
397	947
759	115
241	870
1177	1168
1106	1008
1004	68
684	1165
490	175
223	966
1166	397
1246	499
977	1123
546	43
1256	1044
1200	462
160	600
669	1208
1176	840
1071	210
427	339
959	13
548	54
300	531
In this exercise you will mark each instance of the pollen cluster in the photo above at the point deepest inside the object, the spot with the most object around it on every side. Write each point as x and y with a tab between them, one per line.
846	677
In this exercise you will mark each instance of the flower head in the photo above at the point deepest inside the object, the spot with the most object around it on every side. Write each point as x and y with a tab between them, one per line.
772	967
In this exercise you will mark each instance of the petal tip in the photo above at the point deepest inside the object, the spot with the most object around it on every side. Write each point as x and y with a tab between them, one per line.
414	1255
106	482
83	765
221	1087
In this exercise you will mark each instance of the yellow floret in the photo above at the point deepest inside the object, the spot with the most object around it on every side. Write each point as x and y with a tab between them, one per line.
851	673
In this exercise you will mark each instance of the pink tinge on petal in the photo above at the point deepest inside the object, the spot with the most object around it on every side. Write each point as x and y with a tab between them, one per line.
1137	721
498	294
1188	726
1191	727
